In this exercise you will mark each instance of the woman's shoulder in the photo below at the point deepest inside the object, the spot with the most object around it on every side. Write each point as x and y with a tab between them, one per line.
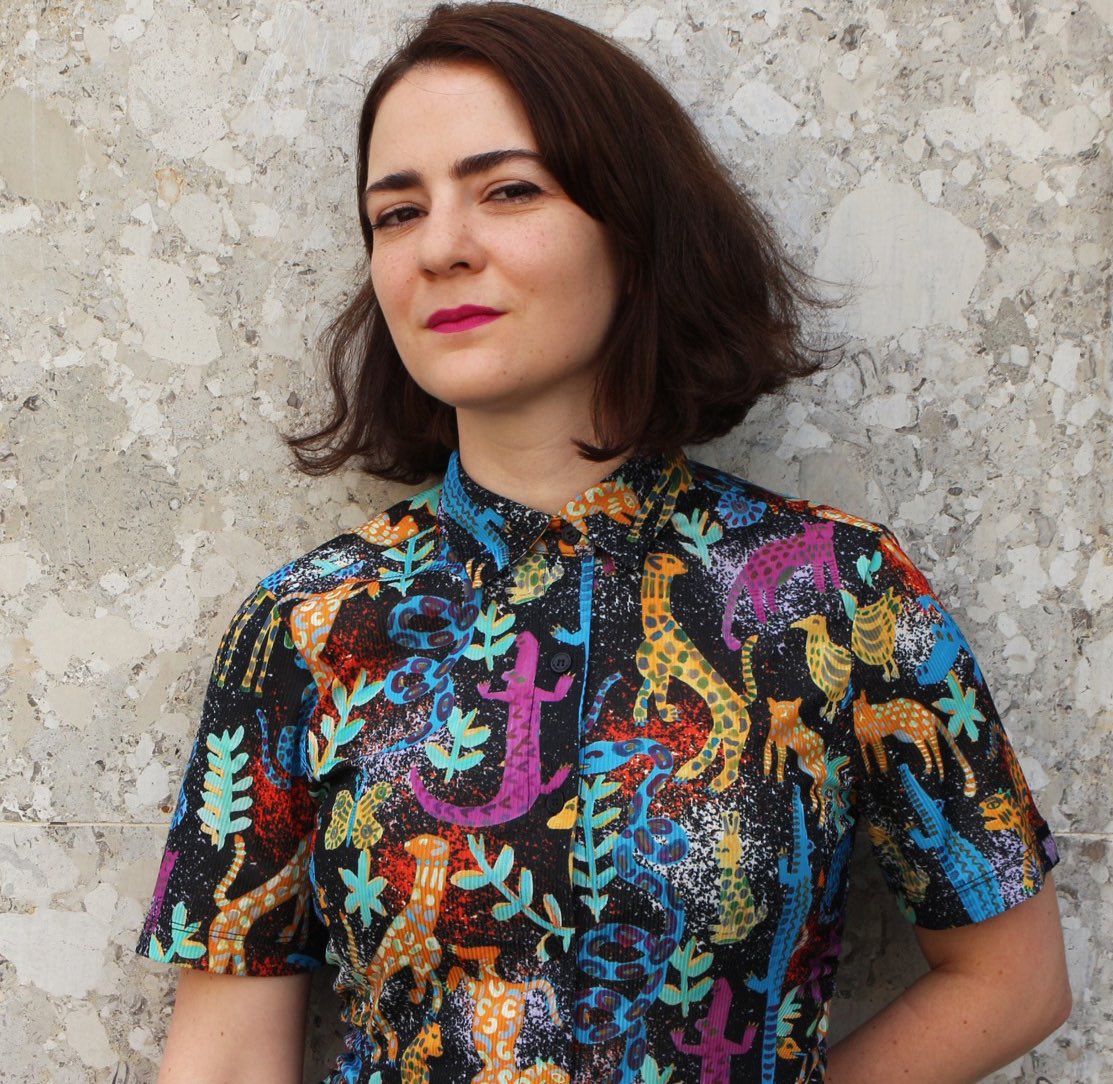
405	526
745	507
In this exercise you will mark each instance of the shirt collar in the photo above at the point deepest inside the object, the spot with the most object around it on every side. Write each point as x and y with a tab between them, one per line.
620	515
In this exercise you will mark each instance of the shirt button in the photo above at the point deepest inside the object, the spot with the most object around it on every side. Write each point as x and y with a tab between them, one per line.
560	662
570	533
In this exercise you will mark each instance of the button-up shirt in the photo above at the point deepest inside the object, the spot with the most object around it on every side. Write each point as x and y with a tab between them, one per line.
571	797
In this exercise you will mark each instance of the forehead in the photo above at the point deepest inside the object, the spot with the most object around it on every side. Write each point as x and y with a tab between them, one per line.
442	111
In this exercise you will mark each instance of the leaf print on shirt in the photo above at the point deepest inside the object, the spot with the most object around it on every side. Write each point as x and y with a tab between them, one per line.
701	534
514	903
183	945
224	793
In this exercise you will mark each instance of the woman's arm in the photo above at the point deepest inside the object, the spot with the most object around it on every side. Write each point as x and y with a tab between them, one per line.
235	1028
995	989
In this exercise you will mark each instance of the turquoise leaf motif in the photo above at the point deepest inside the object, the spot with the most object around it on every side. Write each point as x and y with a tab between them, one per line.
183	945
690	964
960	707
410	557
701	535
492	636
339	731
363	890
465	737
514	903
223	792
652	1073
589	854
866	568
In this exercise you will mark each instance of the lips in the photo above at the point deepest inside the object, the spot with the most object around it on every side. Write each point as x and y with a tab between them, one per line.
462	318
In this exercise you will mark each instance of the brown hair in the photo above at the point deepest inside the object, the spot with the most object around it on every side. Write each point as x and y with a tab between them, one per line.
712	316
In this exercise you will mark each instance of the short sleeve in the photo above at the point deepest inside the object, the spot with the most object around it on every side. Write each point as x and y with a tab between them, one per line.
233	893
951	818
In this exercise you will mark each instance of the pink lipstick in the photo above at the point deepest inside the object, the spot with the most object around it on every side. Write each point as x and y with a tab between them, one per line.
462	319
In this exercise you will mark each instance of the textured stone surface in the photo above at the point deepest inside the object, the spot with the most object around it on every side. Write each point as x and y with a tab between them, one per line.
177	223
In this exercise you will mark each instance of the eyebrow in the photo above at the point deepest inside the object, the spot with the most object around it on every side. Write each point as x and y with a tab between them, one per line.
463	167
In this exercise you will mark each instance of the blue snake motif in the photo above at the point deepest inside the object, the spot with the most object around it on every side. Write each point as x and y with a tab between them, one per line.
603	1014
422	675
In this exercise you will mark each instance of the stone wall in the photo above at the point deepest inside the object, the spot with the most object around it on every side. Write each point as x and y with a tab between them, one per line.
177	222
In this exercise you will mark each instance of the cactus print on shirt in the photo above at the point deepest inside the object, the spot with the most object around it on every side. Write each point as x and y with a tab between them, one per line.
572	797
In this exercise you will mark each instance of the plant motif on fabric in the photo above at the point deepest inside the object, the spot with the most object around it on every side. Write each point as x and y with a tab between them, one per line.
182	944
652	1073
690	988
363	890
513	903
491	637
701	535
462	754
868	566
339	731
409	942
409	559
591	870
735	509
225	795
961	708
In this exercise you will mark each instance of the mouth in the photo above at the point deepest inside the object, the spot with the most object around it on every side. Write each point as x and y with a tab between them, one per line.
462	319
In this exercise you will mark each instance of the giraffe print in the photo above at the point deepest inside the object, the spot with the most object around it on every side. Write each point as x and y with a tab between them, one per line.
668	652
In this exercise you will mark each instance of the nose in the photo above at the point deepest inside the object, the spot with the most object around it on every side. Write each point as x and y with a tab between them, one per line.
449	243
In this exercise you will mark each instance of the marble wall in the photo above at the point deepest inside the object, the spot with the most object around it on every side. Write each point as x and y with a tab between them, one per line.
177	222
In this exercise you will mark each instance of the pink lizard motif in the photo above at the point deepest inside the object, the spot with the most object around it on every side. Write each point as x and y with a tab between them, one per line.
521	778
168	860
714	1048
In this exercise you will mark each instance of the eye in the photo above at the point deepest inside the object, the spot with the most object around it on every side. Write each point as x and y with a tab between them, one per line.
516	192
395	217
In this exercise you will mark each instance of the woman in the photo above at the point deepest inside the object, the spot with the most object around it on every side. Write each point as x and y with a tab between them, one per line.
560	760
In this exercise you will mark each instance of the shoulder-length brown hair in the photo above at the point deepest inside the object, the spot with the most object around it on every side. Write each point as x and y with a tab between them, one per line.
711	319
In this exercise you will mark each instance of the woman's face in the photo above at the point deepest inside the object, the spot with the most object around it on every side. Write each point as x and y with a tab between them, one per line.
467	215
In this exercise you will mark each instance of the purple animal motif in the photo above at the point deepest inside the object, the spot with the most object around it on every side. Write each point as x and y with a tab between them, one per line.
168	860
774	562
521	777
714	1048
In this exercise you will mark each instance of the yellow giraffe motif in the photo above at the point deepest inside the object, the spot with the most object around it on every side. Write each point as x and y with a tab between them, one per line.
500	1011
738	914
918	724
228	931
414	1066
788	731
668	652
829	664
409	942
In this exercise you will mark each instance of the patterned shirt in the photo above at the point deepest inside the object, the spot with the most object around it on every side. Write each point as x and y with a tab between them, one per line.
571	797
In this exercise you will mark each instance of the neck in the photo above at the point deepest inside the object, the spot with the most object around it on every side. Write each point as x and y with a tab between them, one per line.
530	460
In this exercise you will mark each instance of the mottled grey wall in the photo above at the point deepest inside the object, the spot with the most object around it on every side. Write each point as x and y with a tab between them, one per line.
176	222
